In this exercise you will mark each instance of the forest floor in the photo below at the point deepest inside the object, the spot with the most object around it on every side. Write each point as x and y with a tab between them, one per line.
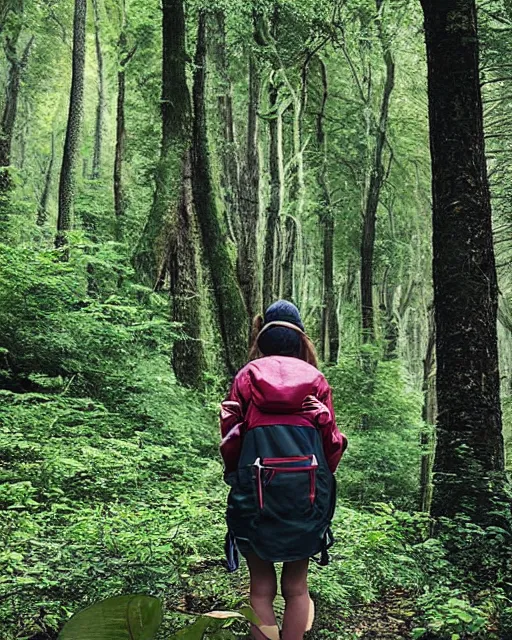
388	618
102	497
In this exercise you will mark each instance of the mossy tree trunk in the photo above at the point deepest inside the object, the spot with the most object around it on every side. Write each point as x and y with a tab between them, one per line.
275	204
248	263
74	126
17	64
230	305
150	258
469	475
188	355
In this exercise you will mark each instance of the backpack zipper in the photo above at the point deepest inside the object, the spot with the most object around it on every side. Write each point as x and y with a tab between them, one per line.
267	464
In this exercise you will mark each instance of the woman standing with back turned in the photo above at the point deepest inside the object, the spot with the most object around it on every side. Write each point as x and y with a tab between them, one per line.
281	447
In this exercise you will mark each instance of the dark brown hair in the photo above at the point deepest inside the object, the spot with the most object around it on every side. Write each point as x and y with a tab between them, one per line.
307	348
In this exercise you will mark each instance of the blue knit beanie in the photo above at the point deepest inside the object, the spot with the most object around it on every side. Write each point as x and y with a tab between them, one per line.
281	341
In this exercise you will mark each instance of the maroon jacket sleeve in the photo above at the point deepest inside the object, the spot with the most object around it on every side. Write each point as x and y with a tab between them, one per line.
232	422
334	442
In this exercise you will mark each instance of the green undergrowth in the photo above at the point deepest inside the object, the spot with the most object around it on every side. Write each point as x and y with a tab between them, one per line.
111	480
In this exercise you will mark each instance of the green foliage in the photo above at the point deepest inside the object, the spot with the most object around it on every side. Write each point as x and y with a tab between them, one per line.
50	326
382	463
135	617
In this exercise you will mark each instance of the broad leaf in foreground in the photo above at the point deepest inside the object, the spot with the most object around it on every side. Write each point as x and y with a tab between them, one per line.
131	617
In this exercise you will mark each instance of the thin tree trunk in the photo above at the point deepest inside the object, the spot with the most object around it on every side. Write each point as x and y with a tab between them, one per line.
469	461
76	103
231	311
119	193
297	188
429	416
100	109
12	91
42	211
372	197
248	264
276	194
288	264
330	326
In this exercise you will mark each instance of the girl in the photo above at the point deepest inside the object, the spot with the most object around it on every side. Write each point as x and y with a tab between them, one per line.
281	447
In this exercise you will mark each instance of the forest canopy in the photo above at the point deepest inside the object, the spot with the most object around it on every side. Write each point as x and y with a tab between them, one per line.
168	169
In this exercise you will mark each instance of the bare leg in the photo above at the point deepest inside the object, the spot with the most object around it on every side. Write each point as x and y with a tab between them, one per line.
263	593
294	584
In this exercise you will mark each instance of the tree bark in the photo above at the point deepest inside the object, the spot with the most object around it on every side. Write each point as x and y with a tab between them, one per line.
12	91
429	416
248	263
330	326
150	256
231	310
230	175
42	211
289	258
74	125
275	204
469	460
188	355
100	109
119	193
372	197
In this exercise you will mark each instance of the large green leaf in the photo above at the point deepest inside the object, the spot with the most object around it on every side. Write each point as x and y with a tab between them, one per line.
134	617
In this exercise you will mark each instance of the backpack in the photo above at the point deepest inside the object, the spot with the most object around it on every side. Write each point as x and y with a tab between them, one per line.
282	496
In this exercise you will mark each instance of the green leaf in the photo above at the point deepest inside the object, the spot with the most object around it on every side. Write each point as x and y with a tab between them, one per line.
133	617
464	616
418	633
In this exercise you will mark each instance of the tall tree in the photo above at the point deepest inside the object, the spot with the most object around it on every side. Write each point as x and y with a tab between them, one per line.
151	254
42	211
17	63
100	108
230	305
469	460
74	125
119	192
376	179
330	326
275	203
248	262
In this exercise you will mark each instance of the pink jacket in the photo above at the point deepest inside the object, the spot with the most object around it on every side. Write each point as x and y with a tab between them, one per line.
279	390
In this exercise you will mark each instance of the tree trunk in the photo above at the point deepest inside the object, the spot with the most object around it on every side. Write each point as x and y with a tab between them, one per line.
150	255
372	197
12	91
100	109
5	7
76	103
275	204
330	326
119	194
188	356
429	416
231	311
289	258
42	211
230	175
469	460
248	263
